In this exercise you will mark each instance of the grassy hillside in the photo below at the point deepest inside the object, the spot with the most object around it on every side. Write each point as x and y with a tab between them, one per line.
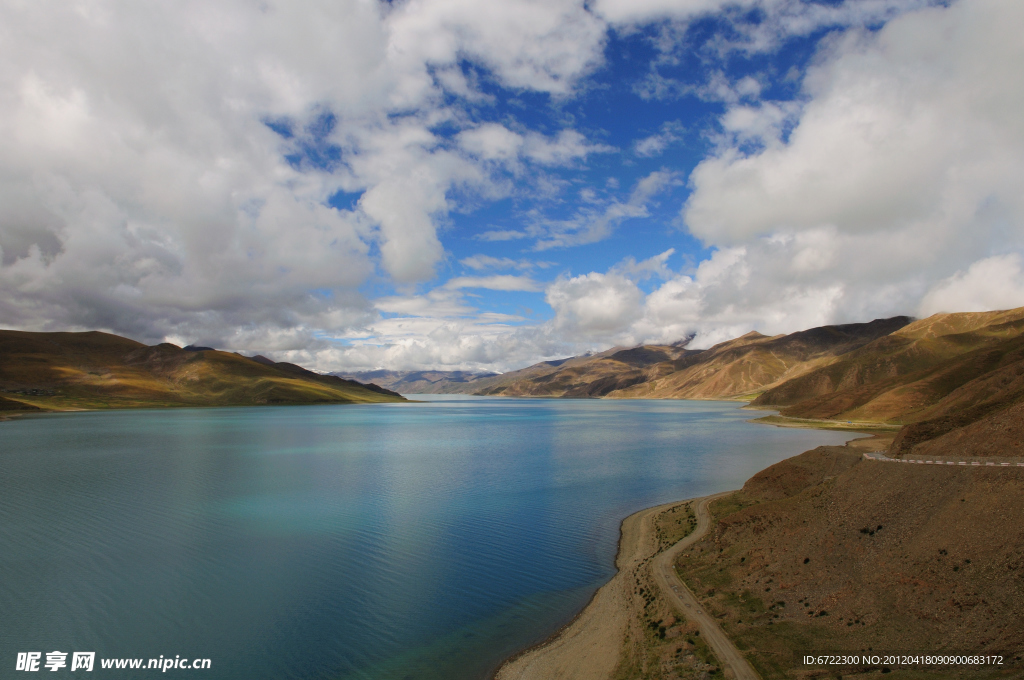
59	371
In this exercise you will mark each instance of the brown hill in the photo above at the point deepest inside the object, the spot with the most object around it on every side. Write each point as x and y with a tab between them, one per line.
419	382
731	370
983	413
929	369
829	553
588	376
61	371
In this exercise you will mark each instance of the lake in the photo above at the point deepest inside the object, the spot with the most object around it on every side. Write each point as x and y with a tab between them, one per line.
421	540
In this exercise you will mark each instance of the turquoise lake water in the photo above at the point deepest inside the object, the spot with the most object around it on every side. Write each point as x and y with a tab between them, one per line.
427	540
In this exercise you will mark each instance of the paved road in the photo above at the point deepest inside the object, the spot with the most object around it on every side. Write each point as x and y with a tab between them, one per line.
734	665
880	456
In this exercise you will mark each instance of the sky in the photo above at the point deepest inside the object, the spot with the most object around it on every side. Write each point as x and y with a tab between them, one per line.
481	185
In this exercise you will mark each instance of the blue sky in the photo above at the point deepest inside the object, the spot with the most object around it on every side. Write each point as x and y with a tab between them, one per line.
463	185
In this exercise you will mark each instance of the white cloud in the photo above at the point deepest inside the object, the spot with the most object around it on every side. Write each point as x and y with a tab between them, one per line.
594	224
763	125
494	142
987	285
502	235
652	266
491	142
594	304
539	45
654	145
438	304
498	282
913	125
481	262
566	147
901	180
896	185
141	191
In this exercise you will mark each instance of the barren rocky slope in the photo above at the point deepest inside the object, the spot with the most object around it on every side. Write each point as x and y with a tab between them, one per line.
735	369
956	381
904	373
827	552
417	382
830	553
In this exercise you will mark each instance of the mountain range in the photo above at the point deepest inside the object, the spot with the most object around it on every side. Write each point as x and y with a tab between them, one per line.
944	379
737	369
947	382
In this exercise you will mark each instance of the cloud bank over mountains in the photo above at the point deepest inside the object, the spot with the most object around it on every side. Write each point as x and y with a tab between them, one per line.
297	178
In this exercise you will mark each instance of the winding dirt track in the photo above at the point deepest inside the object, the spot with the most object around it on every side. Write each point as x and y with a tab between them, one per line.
676	592
588	648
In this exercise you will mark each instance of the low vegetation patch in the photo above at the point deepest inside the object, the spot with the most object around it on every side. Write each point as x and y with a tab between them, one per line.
660	644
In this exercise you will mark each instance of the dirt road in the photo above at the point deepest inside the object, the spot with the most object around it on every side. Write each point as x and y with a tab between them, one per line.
676	592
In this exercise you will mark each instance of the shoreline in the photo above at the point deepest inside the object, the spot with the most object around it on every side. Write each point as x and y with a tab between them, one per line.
11	415
595	633
588	633
551	638
776	420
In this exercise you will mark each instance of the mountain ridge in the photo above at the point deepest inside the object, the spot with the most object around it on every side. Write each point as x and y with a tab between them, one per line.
734	369
65	371
947	382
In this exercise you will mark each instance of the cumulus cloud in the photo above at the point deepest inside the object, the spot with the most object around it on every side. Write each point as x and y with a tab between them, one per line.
893	186
909	126
992	283
168	171
165	169
494	142
594	304
656	265
902	174
527	44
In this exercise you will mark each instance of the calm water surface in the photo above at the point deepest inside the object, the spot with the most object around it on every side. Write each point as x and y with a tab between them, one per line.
422	540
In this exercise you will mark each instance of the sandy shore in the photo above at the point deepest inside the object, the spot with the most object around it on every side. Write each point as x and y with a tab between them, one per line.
589	647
